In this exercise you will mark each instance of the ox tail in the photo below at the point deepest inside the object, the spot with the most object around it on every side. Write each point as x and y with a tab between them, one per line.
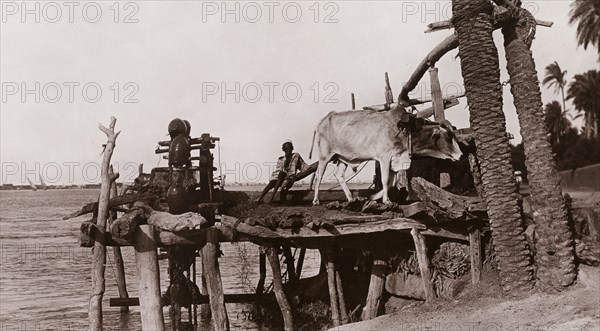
312	145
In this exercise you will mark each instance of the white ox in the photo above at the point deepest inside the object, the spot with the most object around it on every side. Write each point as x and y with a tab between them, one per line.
390	137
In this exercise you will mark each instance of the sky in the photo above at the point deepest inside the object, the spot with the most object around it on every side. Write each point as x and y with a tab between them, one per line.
252	73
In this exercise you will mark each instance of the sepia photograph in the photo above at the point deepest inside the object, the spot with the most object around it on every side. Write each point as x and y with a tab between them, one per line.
428	165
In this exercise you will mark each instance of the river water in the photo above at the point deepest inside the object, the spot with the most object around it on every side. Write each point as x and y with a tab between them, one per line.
45	277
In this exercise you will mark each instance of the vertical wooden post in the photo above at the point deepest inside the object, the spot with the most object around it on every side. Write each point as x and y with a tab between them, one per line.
117	256
195	282
341	298
286	311
300	262
289	263
475	249
149	278
438	112
423	264
436	95
327	255
262	271
353	102
210	266
376	285
204	308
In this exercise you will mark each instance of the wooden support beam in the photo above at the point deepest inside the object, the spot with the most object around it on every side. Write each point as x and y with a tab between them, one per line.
99	252
436	95
414	102
378	273
148	278
117	256
445	206
427	112
113	202
341	297
204	308
438	231
262	272
475	250
423	260
286	311
432	57
289	262
327	255
444	25
203	299
210	268
300	262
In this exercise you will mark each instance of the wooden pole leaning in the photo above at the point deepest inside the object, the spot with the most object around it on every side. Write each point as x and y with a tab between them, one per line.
286	311
421	249
99	252
146	258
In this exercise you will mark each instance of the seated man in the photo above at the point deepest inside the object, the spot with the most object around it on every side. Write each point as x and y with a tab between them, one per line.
283	176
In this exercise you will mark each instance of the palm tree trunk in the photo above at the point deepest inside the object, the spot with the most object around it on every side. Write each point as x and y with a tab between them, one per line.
554	248
480	69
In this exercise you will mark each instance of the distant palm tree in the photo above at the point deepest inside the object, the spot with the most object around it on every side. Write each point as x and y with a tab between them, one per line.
587	15
555	76
585	92
556	122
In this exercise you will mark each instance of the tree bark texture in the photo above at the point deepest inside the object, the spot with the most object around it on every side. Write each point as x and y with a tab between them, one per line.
554	248
480	70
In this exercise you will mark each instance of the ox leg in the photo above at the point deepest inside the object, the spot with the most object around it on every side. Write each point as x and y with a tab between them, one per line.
385	180
320	172
340	175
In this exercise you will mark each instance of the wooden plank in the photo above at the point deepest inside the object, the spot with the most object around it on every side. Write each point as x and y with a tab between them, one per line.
148	278
475	253
210	269
442	232
421	250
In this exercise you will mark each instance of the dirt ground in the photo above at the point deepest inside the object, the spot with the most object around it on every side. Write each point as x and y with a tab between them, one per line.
482	306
